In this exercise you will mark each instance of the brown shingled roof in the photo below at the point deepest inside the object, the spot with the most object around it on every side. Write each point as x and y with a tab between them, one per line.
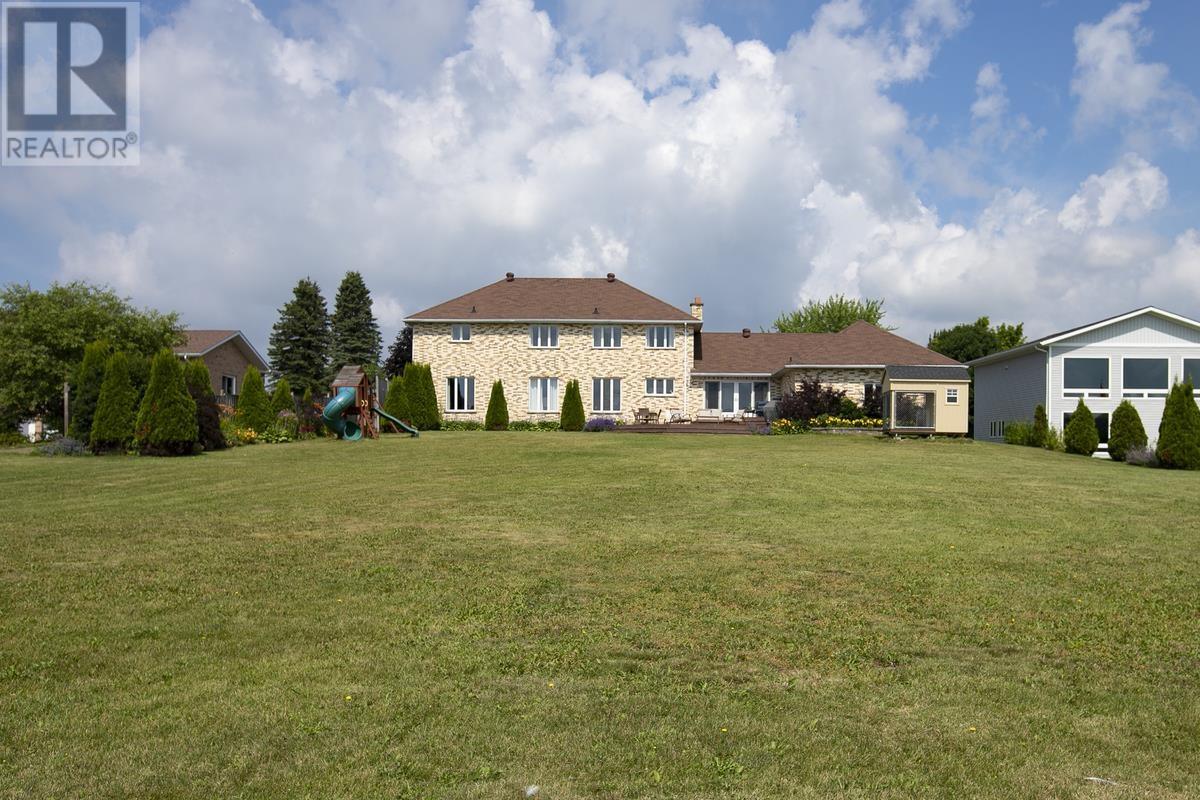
199	342
555	299
861	344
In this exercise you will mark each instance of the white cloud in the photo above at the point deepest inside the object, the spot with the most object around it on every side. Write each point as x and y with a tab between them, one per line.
1115	86
749	176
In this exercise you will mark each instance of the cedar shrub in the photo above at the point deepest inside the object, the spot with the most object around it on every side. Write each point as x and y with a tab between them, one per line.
254	409
1080	435
166	422
282	398
208	416
1179	433
421	397
1040	435
86	389
1127	431
497	410
396	402
572	417
112	425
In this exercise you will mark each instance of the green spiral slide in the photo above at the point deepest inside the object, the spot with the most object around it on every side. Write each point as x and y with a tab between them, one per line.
334	416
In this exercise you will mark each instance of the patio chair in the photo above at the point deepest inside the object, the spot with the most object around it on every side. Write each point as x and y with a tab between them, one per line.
642	416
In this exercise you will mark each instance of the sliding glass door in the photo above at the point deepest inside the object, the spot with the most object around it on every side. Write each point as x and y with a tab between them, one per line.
730	396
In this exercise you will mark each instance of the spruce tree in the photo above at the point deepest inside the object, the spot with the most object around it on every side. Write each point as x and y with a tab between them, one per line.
112	425
1080	435
299	346
166	421
496	418
572	417
1126	431
400	353
282	398
254	409
355	335
1041	427
396	402
86	389
1179	433
208	417
421	397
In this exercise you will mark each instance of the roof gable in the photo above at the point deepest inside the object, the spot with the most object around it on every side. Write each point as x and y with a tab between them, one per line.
554	300
199	342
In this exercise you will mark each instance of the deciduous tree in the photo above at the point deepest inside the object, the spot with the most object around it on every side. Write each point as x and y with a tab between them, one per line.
831	315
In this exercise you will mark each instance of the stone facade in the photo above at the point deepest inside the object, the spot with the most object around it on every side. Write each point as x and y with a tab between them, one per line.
502	351
226	359
850	380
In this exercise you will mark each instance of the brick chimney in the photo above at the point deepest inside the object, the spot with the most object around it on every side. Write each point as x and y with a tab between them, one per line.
697	308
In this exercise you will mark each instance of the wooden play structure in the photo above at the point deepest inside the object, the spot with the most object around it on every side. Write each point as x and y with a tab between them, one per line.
352	411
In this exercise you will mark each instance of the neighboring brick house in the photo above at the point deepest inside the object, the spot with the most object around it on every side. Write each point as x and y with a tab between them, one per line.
226	354
628	351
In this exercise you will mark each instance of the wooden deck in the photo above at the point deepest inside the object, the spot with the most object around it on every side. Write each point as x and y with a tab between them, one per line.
724	428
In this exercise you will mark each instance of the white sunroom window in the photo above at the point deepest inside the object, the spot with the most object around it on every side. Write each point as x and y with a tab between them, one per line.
543	335
606	394
606	336
660	336
543	394
660	386
460	393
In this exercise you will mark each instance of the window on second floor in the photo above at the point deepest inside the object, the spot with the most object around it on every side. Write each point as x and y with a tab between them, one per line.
606	336
1082	374
1139	375
543	336
660	336
1191	372
460	332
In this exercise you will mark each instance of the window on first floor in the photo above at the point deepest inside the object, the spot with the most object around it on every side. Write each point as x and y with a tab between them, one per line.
543	394
606	336
996	429
660	336
1085	373
460	332
1191	371
1101	425
1145	373
914	409
660	386
543	335
732	396
606	394
952	396
228	385
460	394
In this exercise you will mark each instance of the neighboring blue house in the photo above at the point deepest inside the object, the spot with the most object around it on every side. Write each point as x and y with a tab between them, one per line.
1135	356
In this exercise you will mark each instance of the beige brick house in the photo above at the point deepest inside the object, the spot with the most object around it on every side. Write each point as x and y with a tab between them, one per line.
629	351
225	353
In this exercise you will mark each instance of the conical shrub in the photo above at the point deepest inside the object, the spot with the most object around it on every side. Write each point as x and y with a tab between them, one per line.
396	402
166	422
1126	431
497	410
1080	435
208	416
421	397
572	417
282	398
1179	433
253	406
112	426
86	389
1040	434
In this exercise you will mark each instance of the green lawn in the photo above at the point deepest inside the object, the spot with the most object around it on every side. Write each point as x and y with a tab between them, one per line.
606	616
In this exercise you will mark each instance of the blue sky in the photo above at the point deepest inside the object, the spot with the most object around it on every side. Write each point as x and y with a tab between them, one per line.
865	148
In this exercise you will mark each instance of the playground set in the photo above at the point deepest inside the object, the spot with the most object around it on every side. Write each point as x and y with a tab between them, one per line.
349	412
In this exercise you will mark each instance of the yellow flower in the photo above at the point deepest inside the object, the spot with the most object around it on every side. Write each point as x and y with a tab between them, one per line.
348	698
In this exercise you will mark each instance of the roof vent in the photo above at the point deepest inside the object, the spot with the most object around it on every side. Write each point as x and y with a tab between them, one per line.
610	277
745	333
596	310
508	276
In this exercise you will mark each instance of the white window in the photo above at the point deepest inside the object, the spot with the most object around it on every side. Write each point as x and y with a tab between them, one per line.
228	385
460	394
543	394
606	336
606	394
460	332
1085	377
952	397
1145	377
543	335
660	386
660	336
996	430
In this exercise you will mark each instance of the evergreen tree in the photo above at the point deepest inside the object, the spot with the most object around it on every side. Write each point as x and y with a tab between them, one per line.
1041	427
86	389
400	353
1179	433
396	402
496	418
166	421
208	417
421	398
139	376
572	417
355	334
282	398
299	346
253	406
308	415
1126	431
1080	435
112	426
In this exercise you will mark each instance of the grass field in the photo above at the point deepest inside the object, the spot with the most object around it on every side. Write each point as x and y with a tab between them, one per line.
605	616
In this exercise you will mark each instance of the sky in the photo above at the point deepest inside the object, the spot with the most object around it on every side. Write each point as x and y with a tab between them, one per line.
1033	161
